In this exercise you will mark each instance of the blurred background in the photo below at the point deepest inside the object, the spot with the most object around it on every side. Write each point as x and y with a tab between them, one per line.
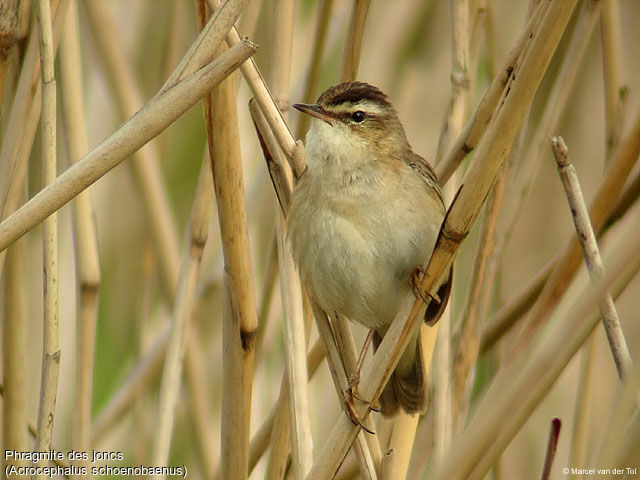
406	52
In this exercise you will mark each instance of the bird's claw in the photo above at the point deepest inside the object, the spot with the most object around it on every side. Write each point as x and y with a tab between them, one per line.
416	280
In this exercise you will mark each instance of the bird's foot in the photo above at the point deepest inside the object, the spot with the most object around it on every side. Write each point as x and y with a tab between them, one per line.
350	409
416	280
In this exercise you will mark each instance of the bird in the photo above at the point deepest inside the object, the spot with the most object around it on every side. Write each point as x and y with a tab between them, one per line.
364	216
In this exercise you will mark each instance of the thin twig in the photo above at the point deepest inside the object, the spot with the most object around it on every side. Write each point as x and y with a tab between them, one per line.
587	238
552	444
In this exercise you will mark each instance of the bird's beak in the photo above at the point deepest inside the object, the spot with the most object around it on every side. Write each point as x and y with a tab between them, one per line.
315	111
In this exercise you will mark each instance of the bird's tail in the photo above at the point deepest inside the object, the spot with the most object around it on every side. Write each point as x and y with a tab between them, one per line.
406	388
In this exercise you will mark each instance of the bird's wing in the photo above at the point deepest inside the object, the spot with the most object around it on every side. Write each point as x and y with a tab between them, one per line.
426	172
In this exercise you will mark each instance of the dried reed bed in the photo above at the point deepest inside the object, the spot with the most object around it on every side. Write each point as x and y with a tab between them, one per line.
205	351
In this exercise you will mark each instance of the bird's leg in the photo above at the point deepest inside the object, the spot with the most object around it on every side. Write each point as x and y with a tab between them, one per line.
354	380
416	280
352	390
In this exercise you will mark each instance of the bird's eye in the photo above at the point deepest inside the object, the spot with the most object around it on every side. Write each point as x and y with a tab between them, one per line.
357	116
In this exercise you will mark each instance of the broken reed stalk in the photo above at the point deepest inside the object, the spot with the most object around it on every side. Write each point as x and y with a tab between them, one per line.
513	396
488	159
552	445
23	120
298	426
240	313
353	43
51	341
182	309
153	118
587	238
85	238
479	121
621	164
14	354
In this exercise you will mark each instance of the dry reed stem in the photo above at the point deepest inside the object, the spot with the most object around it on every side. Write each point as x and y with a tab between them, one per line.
388	466
340	362
552	445
627	198
23	120
463	212
587	238
200	407
14	353
51	342
146	161
299	421
261	439
240	318
183	307
353	42
315	63
519	304
483	284
153	118
267	104
611	67
452	124
295	349
620	166
625	407
401	442
583	405
203	50
292	424
85	239
341	384
484	112
522	177
512	398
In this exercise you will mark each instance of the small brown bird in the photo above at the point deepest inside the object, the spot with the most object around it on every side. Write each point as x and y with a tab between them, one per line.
363	217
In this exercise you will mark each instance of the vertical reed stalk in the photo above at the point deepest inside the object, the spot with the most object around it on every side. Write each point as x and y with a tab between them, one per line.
50	343
14	355
85	241
240	319
353	44
190	265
